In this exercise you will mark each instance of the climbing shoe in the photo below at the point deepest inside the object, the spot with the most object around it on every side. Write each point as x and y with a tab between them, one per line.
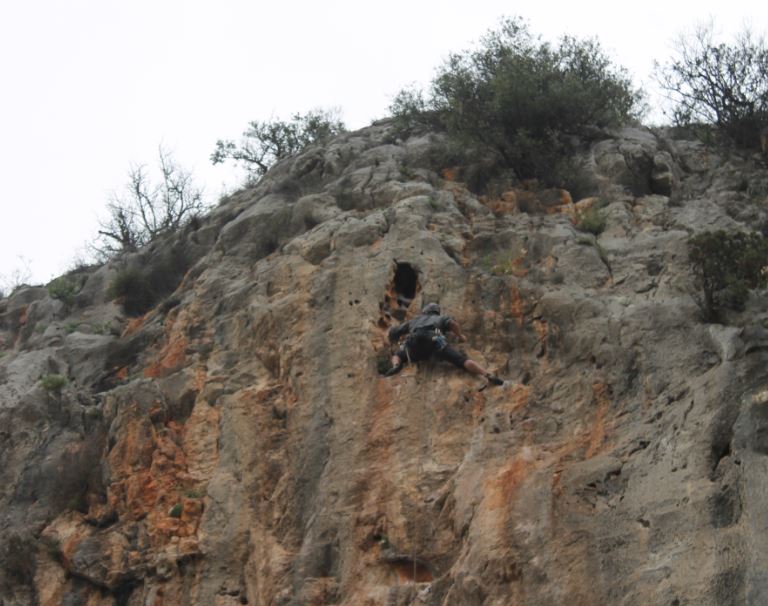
494	380
394	370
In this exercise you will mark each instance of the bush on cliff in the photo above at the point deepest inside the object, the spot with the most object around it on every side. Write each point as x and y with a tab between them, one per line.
145	211
525	100
266	142
718	84
64	288
592	221
53	383
140	287
727	266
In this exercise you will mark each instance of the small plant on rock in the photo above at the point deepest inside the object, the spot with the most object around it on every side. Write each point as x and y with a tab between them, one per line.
64	289
102	328
592	221
53	383
500	264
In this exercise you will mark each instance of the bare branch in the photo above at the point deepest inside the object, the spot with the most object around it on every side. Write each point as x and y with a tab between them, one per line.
725	85
145	211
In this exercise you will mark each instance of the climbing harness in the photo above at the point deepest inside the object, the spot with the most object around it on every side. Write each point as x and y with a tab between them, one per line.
425	338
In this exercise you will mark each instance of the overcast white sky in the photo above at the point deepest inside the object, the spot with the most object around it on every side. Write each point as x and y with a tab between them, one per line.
89	87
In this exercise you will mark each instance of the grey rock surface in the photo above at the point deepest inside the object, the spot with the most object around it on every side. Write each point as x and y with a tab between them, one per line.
237	444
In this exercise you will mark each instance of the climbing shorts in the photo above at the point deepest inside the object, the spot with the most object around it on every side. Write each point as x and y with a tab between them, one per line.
453	356
447	353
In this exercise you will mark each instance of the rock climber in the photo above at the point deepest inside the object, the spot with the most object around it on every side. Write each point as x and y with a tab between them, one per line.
425	337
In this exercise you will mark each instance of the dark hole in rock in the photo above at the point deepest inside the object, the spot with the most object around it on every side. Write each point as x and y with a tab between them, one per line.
406	281
310	222
270	246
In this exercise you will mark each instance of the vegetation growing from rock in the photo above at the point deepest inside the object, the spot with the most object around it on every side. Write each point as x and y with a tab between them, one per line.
727	266
53	383
266	142
140	287
64	288
719	84
522	99
145	211
592	221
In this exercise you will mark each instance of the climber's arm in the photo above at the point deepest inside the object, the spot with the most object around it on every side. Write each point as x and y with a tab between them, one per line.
454	327
396	332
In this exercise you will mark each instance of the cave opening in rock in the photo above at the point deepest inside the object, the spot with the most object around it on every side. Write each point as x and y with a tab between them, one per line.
406	282
400	293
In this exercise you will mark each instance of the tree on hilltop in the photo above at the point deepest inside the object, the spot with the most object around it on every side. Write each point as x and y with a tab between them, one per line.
718	84
522	98
267	142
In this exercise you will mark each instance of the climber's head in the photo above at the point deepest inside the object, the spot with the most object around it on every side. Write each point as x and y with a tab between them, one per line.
431	308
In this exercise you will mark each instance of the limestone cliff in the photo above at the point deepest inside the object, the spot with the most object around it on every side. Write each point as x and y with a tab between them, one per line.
238	445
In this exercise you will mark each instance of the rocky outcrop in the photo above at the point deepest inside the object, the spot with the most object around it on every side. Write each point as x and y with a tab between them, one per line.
237	444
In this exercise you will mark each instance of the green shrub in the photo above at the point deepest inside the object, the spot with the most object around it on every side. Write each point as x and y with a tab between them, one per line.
64	289
592	221
727	266
499	263
53	383
572	174
102	328
266	142
140	288
412	112
132	287
522	99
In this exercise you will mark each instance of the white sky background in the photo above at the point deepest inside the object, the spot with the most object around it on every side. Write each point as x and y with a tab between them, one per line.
90	87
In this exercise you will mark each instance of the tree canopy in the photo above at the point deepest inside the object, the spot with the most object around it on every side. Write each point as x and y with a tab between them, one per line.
266	142
522	97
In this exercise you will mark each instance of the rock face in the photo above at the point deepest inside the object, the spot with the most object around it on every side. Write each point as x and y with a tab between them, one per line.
238	445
